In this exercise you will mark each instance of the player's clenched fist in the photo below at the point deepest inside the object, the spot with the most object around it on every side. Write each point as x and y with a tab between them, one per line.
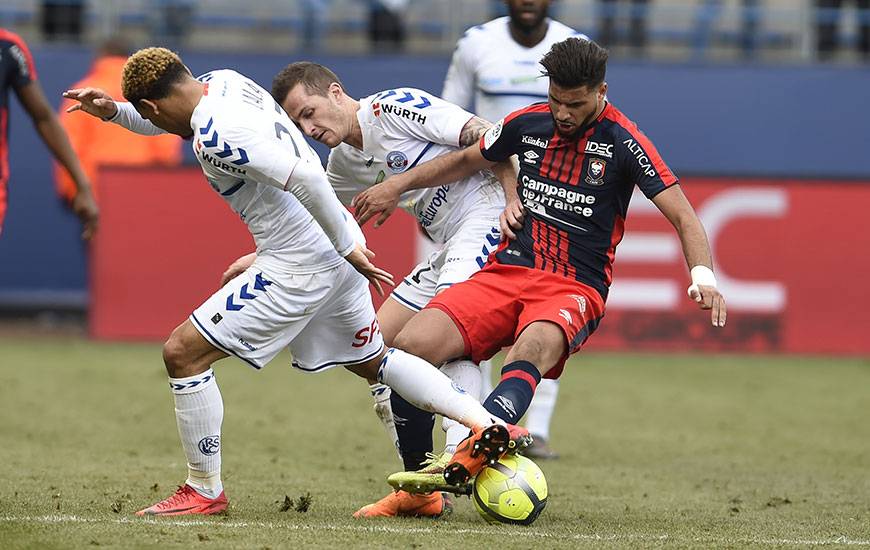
238	267
511	218
93	101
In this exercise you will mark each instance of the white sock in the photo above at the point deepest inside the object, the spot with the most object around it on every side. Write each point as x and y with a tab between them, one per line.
381	395
467	375
199	412
427	388
486	375
540	411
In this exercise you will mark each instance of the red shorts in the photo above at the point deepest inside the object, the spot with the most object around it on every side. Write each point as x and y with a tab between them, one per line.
495	305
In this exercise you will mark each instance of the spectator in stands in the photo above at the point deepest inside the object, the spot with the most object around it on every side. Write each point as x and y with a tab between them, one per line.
171	22
62	19
313	22
827	23
708	14
18	72
608	33
387	25
98	144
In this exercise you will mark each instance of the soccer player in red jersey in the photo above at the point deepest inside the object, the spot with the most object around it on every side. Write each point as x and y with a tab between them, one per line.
543	291
18	72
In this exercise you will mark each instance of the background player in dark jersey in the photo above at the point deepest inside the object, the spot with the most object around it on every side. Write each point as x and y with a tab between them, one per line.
544	289
18	72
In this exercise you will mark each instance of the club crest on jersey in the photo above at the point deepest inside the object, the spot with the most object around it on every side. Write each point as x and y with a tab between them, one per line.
397	161
595	172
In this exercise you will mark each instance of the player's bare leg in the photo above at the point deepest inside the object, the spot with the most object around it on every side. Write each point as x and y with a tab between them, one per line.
199	413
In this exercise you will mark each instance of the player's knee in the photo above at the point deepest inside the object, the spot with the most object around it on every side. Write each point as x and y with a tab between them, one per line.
542	350
175	355
411	342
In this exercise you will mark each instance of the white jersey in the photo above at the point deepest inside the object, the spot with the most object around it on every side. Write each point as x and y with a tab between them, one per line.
248	148
402	128
492	71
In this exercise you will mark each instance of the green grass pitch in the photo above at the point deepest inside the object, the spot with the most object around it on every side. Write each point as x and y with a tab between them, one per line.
657	451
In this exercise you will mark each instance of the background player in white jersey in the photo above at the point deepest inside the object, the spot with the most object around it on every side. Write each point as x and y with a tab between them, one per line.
300	293
371	139
492	82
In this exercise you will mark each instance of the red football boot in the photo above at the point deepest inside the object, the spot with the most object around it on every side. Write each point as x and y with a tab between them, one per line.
186	501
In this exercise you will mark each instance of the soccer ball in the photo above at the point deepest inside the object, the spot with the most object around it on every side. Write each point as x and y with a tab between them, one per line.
513	490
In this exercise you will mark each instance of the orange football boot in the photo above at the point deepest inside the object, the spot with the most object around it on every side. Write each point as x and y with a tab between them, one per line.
401	503
483	448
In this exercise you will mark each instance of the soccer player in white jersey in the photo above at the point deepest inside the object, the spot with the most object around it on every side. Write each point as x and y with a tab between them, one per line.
492	82
299	293
371	139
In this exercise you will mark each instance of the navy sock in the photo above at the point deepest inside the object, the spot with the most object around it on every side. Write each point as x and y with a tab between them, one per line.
511	398
414	428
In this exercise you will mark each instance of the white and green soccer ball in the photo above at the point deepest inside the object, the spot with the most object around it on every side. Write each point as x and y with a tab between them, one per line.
513	490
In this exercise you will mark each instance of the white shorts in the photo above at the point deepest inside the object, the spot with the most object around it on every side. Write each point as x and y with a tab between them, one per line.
462	256
326	319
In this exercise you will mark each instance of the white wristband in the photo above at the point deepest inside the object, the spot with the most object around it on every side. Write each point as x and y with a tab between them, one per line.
701	275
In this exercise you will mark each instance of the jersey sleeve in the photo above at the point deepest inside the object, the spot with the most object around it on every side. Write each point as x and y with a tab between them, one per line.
643	164
416	114
23	70
129	118
500	141
276	162
461	79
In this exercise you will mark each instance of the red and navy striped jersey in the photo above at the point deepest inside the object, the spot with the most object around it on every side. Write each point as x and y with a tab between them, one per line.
575	190
16	70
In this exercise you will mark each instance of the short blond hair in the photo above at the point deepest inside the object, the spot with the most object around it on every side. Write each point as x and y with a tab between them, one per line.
150	73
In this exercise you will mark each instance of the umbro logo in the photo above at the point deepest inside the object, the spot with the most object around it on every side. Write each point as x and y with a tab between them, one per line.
506	404
530	157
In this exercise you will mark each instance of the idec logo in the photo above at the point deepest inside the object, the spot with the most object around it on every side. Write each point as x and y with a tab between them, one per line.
366	335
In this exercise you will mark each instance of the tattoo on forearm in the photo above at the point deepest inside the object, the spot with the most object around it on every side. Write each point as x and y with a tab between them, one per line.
472	131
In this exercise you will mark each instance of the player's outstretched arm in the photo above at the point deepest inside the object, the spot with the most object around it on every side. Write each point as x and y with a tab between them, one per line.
98	103
381	199
52	133
677	209
308	183
92	101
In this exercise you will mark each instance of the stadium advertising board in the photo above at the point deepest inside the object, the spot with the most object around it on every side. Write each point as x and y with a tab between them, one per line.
789	258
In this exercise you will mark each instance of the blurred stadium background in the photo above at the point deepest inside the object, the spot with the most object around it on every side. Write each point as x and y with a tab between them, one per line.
769	135
770	142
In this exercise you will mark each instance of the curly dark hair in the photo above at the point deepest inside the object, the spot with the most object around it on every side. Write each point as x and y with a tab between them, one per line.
575	63
150	74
